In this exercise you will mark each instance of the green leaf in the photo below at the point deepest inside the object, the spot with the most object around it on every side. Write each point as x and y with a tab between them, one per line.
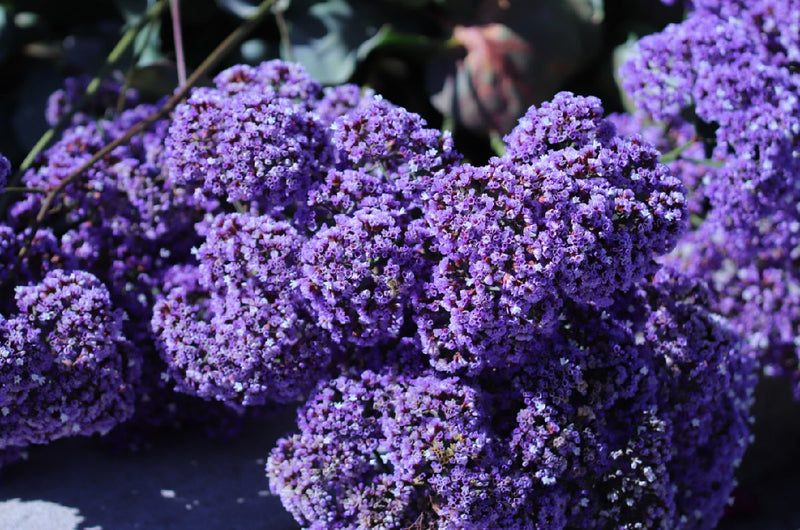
241	8
147	43
330	37
6	30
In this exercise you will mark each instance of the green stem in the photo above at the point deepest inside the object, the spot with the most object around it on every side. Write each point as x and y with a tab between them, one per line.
673	155
22	189
496	143
706	162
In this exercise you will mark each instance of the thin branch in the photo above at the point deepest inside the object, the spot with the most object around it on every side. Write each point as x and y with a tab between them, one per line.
208	64
23	189
175	12
283	31
673	155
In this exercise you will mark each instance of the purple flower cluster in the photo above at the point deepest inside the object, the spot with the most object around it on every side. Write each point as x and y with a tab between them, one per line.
571	212
360	274
488	346
250	138
313	267
121	222
680	135
756	285
553	376
732	67
43	256
5	172
594	431
108	96
378	441
65	366
379	135
233	329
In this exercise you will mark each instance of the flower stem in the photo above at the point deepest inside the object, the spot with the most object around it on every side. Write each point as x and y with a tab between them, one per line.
175	11
673	155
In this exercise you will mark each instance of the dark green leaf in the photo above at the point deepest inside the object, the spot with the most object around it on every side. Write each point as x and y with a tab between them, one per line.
331	36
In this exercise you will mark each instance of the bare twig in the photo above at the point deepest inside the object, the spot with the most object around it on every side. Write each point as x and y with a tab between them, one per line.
283	30
175	12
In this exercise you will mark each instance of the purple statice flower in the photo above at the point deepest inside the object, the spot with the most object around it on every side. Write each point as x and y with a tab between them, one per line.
339	100
599	428
381	136
359	275
581	221
106	98
602	198
707	381
287	80
76	146
482	297
125	192
5	172
756	284
124	223
247	144
65	365
734	66
345	191
675	134
44	255
248	252
384	450
235	329
566	120
387	157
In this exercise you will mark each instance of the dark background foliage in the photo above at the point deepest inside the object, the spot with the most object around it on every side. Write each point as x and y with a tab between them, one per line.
471	65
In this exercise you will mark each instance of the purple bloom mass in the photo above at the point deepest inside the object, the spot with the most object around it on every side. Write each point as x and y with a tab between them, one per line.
120	221
248	140
571	212
733	64
106	97
360	274
630	417
5	172
732	67
234	329
65	367
476	346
